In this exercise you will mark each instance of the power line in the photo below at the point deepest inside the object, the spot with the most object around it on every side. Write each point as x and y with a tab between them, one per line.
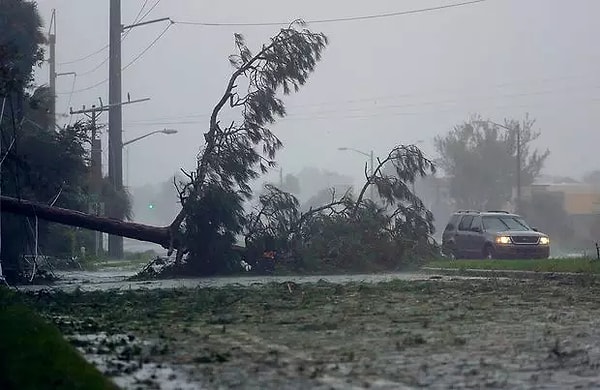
149	46
103	48
85	57
336	20
376	16
370	115
71	96
84	89
165	120
315	21
135	20
149	11
94	68
126	66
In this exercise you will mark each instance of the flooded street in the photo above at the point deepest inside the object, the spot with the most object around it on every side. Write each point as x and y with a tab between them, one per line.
398	331
105	280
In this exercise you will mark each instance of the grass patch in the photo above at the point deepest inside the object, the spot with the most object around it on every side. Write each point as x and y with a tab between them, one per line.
34	355
576	265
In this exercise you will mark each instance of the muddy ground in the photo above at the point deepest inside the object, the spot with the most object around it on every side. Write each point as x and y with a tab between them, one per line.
495	333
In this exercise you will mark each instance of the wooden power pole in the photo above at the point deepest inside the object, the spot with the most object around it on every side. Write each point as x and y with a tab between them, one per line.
93	114
52	66
115	121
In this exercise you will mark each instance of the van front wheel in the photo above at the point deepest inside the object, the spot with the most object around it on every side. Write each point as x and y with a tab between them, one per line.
488	252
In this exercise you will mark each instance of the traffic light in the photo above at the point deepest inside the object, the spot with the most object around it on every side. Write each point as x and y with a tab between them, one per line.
151	206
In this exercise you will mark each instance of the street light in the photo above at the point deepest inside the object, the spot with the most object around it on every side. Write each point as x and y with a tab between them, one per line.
163	131
518	131
417	142
372	159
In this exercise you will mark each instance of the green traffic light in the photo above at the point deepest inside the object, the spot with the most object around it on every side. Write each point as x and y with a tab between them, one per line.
150	206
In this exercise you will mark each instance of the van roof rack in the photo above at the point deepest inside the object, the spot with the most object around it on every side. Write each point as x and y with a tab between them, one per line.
468	211
498	211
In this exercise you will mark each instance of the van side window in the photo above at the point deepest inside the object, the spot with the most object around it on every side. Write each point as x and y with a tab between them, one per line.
452	223
476	223
465	222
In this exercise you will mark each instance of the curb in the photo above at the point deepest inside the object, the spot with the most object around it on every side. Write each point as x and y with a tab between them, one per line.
515	274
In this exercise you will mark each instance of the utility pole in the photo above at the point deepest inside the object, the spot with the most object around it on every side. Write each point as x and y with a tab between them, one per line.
518	205
2	279
96	169
280	178
53	75
96	179
517	130
115	120
52	63
372	189
93	114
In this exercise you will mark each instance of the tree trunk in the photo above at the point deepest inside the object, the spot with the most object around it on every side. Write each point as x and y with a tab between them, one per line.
136	231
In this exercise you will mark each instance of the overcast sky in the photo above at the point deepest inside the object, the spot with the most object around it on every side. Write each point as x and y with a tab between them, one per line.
382	82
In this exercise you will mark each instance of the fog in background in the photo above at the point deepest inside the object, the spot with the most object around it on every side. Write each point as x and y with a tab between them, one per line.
381	82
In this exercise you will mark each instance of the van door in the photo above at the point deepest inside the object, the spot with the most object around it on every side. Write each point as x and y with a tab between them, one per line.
463	236
476	238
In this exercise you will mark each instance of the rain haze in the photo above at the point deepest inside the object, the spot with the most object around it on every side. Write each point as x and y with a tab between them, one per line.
432	219
385	81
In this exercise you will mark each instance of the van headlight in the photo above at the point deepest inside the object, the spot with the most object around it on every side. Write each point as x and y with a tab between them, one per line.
544	241
503	240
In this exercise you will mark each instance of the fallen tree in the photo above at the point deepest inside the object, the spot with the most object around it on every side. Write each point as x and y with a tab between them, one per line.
136	231
214	194
232	155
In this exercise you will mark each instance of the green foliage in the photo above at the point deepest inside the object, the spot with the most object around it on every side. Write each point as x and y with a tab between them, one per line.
350	234
480	157
216	220
40	164
269	226
20	45
45	166
236	154
34	355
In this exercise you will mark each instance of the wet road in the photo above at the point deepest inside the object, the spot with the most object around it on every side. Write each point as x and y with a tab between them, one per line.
104	280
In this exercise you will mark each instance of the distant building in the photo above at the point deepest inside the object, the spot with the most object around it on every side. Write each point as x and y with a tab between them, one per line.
577	198
579	201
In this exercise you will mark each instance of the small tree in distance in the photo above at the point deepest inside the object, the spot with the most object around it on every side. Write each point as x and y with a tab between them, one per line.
480	158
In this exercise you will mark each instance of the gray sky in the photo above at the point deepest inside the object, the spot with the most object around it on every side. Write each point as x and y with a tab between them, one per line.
382	82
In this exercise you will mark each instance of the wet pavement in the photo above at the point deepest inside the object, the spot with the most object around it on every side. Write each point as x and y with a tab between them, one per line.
106	280
406	333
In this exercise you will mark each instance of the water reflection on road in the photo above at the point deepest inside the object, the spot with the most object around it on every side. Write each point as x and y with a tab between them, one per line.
117	280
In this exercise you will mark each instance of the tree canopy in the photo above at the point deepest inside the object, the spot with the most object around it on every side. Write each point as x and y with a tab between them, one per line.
236	153
480	158
39	163
20	44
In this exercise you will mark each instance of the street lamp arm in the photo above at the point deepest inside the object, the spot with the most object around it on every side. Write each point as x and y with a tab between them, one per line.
141	137
357	151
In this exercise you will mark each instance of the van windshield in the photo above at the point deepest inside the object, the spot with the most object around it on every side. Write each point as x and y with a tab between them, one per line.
500	224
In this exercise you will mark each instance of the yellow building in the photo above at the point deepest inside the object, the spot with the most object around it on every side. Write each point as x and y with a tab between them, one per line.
578	198
581	203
